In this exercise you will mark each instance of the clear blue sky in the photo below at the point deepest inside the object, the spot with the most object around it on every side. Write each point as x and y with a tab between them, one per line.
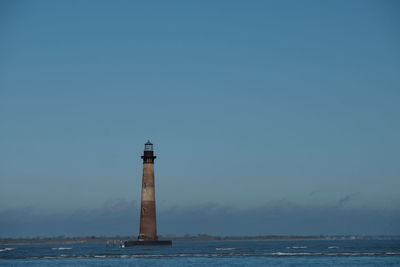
248	103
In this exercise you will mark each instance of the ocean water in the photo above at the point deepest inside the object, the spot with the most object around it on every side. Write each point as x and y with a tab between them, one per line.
218	253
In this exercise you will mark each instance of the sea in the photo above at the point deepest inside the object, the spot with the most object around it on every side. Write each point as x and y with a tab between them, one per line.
216	253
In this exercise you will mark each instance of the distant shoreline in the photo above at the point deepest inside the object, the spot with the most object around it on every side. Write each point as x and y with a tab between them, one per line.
188	238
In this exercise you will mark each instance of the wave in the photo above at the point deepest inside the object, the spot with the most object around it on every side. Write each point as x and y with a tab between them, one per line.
61	248
6	249
210	255
297	247
292	254
225	248
332	247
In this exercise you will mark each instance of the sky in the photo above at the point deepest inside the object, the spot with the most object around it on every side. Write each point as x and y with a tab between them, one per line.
279	116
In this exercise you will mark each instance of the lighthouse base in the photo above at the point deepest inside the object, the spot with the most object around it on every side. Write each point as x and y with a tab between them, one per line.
133	243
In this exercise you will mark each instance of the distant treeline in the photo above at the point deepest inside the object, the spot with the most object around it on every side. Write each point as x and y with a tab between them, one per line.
199	237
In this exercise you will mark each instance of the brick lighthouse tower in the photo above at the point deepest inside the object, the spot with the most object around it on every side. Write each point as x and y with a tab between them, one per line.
148	225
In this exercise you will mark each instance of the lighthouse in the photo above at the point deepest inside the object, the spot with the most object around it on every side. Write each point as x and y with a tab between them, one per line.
148	223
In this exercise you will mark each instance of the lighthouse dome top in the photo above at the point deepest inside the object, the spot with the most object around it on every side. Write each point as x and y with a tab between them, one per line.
148	146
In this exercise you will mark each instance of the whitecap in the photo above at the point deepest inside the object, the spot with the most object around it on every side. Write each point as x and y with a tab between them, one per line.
392	253
225	248
332	247
281	253
294	254
6	249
